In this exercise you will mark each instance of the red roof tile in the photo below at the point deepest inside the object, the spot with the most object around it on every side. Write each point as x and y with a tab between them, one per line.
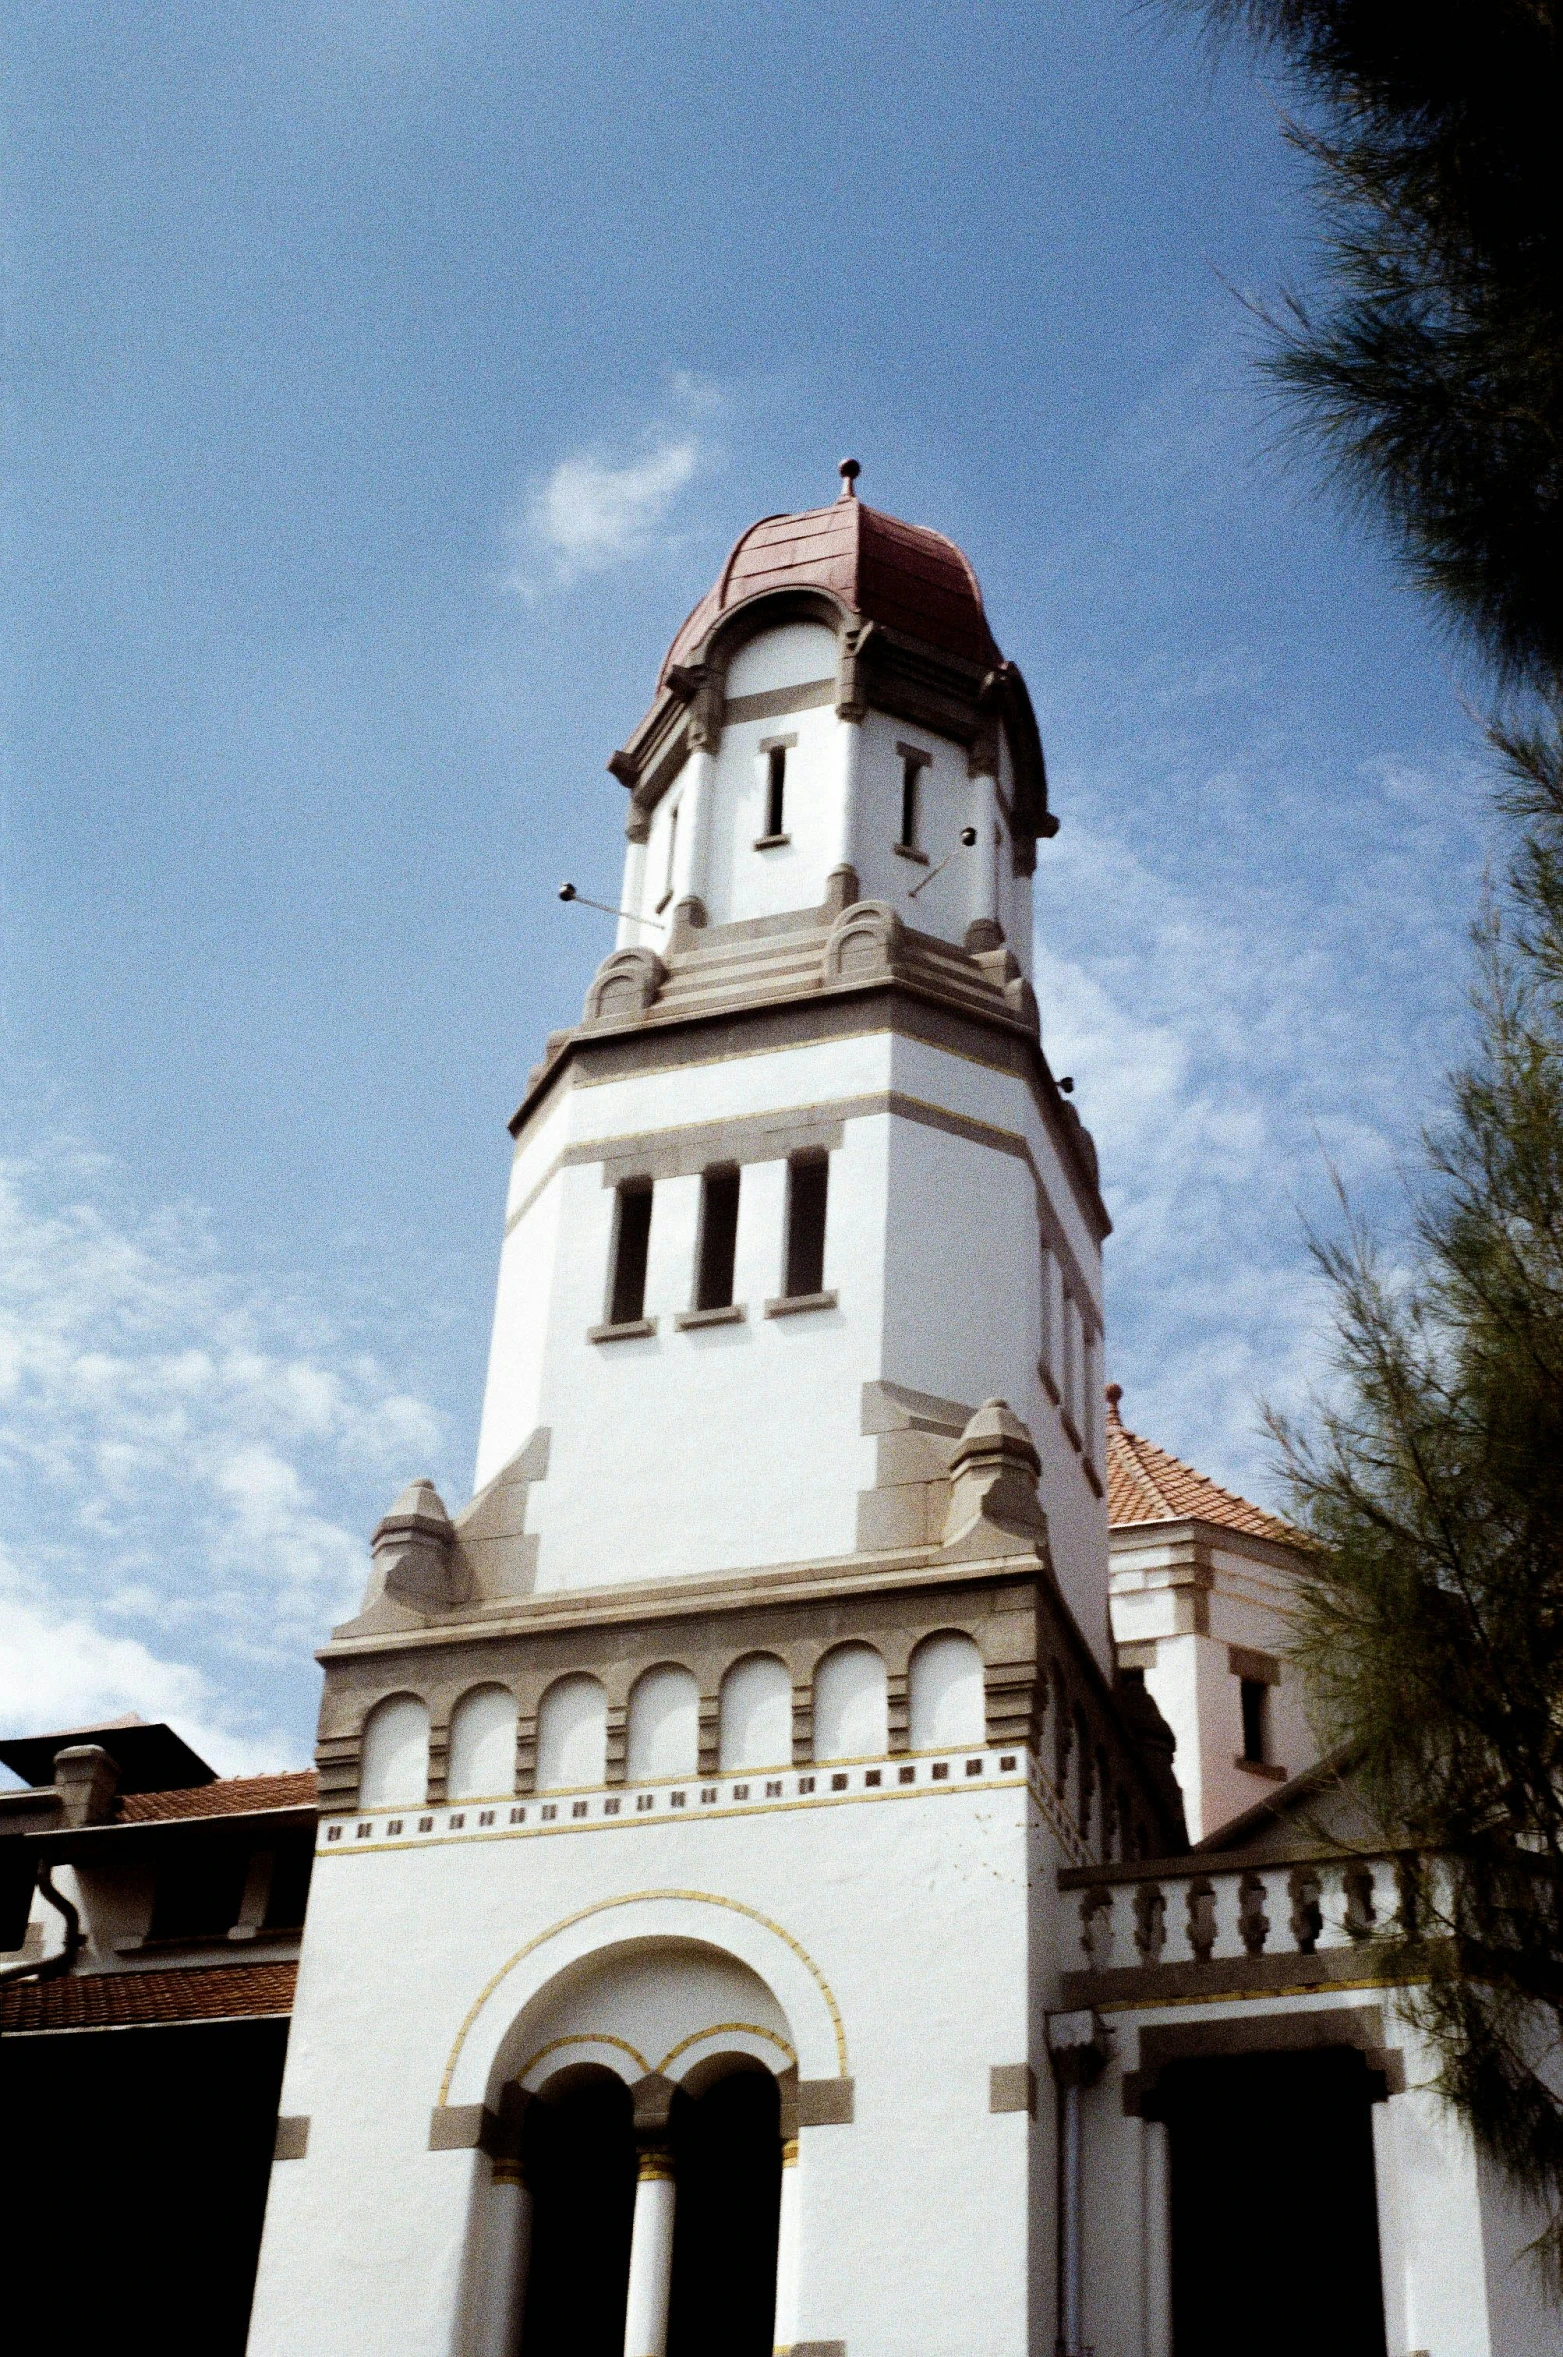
230	1796
1145	1484
903	575
121	2000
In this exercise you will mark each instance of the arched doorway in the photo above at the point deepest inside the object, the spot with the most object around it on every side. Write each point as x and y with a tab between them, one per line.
580	2164
727	2149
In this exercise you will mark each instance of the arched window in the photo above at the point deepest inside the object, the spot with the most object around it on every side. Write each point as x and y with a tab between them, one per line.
851	1713
728	2156
394	1764
580	2162
947	1710
757	1714
572	1735
664	1728
482	1744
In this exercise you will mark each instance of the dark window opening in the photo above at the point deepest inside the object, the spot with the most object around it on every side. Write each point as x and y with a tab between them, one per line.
808	1182
199	1893
911	775
667	880
1307	2219
631	1244
289	1891
728	2155
189	2114
775	790
718	1239
1256	1721
580	2162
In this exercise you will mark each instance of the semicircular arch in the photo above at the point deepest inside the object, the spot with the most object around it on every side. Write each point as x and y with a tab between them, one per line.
480	2056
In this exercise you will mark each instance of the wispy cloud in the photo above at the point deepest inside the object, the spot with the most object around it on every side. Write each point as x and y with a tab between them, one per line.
1237	1034
191	1461
609	505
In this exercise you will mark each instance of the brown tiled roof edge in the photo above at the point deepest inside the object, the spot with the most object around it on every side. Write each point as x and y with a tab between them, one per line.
1147	1484
127	2000
229	1796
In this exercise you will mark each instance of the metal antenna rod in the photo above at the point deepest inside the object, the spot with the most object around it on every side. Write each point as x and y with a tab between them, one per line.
968	838
583	900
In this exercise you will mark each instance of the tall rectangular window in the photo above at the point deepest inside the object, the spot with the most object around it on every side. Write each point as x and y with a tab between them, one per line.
1256	1715
912	766
776	790
808	1181
631	1243
718	1239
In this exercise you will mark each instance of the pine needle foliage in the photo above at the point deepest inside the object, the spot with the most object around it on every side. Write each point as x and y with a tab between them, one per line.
1429	363
1431	1627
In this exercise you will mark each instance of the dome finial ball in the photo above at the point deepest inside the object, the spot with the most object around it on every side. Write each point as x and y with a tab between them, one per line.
849	471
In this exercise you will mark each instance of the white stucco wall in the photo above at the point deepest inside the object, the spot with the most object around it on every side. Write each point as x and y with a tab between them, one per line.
709	820
892	1939
723	1448
1248	1605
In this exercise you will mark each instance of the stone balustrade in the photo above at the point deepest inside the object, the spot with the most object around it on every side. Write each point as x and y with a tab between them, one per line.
1182	1928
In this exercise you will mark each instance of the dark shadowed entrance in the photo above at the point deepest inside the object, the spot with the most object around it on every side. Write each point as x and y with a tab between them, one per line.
1274	2215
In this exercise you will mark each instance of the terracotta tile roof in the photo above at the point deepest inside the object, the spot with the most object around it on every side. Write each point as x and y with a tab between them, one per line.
122	2000
1145	1484
904	575
230	1796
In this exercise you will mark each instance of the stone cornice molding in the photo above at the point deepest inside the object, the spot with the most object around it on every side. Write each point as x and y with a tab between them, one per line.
751	982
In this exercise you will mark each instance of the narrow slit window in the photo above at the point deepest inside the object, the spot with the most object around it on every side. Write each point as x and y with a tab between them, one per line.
718	1239
912	768
1256	1713
631	1243
808	1181
667	879
776	790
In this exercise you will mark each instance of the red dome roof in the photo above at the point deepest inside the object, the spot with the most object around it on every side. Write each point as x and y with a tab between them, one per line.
912	580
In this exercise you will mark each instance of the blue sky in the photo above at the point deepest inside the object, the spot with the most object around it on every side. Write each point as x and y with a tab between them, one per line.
384	382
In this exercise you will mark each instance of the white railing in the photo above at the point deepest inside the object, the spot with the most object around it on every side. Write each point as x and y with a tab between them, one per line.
1143	1918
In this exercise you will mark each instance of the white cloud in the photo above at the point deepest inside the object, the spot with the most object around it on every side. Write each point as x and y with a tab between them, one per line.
1236	1028
598	508
590	514
192	1463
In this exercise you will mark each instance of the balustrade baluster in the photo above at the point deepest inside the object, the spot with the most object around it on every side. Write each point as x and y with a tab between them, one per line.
1150	1922
1096	1926
1202	1918
1252	1921
1307	1919
1360	1918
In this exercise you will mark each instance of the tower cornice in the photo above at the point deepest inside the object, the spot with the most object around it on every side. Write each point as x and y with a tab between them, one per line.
744	989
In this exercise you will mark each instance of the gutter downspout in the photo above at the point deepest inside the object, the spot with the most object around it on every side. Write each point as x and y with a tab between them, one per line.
48	1968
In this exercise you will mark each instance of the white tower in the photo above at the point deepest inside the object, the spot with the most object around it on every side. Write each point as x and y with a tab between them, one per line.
677	1965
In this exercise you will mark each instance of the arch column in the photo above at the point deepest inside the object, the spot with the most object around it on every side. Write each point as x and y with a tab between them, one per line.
1156	2244
984	928
789	2241
841	885
651	2236
507	2253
